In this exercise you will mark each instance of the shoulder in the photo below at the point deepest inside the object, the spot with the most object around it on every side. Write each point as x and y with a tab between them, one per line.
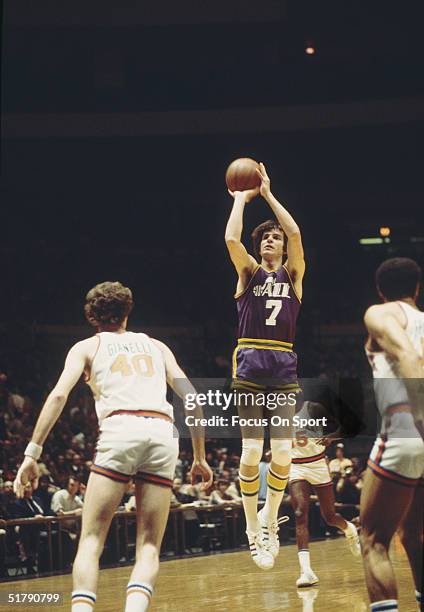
375	315
160	345
85	347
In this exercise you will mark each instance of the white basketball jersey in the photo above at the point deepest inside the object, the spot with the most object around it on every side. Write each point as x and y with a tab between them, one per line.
304	445
385	368
128	373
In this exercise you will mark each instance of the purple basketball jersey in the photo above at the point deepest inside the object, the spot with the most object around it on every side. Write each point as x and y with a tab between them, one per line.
269	306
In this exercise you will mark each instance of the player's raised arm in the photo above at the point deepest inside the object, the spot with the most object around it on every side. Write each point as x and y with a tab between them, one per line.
75	363
243	262
178	381
295	255
385	328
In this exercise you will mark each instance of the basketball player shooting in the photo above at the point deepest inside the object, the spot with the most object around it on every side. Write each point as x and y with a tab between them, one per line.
269	290
127	372
393	493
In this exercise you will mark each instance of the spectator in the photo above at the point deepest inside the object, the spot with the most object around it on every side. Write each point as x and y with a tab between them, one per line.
234	491
7	499
180	497
29	535
340	463
188	489
43	495
220	495
64	502
348	491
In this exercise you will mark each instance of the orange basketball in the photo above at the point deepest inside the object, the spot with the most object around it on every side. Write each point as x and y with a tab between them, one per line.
241	174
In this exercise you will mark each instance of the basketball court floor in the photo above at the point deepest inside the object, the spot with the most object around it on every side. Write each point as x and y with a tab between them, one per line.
231	582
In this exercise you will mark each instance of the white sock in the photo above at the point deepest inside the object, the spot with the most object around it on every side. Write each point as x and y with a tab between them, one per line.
249	486
349	529
388	605
304	561
138	597
83	601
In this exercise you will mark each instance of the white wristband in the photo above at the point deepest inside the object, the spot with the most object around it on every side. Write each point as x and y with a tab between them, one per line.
33	450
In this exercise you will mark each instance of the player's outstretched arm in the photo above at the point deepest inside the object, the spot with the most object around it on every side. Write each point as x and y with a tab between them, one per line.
295	255
243	262
52	409
385	328
179	382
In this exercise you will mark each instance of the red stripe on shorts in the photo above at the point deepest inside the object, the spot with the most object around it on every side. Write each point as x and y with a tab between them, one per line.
154	479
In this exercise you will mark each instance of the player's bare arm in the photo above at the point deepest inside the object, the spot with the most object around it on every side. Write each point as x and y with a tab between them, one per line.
385	325
244	263
76	361
178	381
295	255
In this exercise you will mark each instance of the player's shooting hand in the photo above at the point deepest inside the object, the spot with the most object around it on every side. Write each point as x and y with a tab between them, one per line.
247	195
27	473
201	468
265	188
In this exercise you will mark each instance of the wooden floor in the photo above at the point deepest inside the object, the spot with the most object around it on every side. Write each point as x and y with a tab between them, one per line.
231	582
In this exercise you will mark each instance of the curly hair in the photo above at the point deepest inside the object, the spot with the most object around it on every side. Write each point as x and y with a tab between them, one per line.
398	278
259	231
108	304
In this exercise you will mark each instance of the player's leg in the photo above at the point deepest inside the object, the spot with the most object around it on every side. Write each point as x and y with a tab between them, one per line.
384	504
300	492
281	434
252	448
102	498
153	502
327	506
411	533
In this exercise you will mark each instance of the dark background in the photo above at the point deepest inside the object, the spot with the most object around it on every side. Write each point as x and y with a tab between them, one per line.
117	127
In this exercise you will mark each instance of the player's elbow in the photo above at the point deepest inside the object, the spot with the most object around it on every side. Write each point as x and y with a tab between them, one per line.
58	398
231	240
293	233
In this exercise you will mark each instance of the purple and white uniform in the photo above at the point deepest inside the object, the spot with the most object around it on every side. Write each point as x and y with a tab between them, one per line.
267	312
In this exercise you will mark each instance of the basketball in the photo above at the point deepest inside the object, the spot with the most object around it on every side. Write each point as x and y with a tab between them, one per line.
241	174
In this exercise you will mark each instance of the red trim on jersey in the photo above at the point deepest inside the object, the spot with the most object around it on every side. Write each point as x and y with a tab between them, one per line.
309	459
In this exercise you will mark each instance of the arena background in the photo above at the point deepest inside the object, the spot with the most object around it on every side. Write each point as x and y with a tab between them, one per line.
117	127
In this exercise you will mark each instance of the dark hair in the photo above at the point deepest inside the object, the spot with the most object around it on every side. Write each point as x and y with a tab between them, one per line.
258	233
108	304
73	477
398	278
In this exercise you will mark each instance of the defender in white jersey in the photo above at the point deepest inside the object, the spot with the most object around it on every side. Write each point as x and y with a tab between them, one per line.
393	493
128	374
309	472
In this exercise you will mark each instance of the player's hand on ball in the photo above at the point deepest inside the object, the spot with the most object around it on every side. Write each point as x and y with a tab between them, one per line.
201	468
265	188
247	195
27	473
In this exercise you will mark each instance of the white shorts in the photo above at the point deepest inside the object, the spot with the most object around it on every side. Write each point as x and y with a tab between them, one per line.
315	472
400	460
143	448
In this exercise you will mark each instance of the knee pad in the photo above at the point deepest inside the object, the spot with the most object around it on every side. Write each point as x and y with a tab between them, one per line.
281	451
251	452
